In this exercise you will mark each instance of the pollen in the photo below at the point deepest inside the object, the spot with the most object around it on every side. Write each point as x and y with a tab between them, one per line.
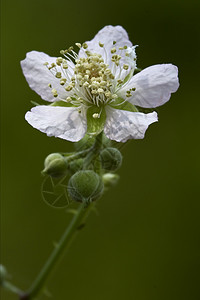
89	79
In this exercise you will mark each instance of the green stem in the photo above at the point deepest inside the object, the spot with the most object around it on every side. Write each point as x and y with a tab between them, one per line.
94	151
69	234
77	155
10	287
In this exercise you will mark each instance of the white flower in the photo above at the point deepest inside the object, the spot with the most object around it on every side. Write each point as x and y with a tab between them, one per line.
97	90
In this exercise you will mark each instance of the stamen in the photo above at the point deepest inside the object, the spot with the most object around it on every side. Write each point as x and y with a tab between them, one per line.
113	50
90	80
78	45
54	92
85	45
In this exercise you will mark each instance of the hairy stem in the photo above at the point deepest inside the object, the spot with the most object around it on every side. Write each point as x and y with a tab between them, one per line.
70	232
94	153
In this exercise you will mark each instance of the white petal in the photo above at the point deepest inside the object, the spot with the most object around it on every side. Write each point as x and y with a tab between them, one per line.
122	125
63	122
106	36
38	76
154	85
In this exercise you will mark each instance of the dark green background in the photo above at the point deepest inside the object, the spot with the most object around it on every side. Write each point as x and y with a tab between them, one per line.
144	244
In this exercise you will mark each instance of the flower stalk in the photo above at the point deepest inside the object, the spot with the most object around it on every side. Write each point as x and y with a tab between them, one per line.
71	231
10	287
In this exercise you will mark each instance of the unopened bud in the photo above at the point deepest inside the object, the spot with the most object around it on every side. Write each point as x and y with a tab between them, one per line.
55	165
85	185
110	179
76	165
111	159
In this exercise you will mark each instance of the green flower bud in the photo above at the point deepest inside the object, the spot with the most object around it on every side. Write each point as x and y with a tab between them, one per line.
111	159
76	165
55	165
110	179
85	185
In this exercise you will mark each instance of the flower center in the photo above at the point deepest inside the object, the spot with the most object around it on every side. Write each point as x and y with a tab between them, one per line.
88	79
95	77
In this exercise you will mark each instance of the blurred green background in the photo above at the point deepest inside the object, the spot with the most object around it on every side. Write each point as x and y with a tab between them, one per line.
144	244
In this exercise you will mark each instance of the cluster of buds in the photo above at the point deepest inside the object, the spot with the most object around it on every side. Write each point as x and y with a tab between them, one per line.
90	170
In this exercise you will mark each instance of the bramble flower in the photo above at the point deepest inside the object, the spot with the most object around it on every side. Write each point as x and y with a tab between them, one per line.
96	89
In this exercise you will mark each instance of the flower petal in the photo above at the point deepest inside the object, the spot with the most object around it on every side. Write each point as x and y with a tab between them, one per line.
122	125
154	85
63	122
38	76
107	35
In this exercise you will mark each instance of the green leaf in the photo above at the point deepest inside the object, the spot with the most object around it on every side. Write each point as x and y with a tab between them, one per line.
95	125
35	103
119	103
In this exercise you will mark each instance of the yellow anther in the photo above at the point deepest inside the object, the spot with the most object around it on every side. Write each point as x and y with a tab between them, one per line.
121	48
88	52
68	99
65	66
114	42
59	61
85	46
114	96
78	45
70	49
94	92
101	45
86	84
109	84
108	94
46	64
58	75
100	90
49	85
79	77
63	81
113	50
69	88
103	83
125	67
54	92
125	47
